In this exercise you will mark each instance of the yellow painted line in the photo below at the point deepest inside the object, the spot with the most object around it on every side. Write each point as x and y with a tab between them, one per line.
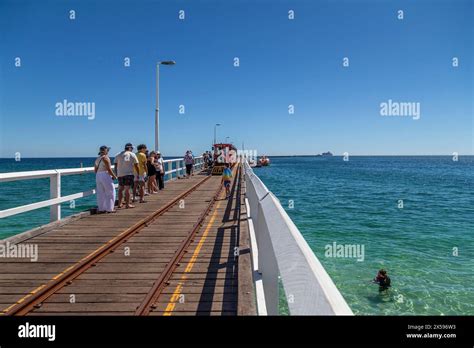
177	292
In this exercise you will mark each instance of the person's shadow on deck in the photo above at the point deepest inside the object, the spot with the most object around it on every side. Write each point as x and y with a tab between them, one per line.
229	289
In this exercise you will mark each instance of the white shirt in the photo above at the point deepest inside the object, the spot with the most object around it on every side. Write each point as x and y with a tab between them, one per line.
160	164
125	161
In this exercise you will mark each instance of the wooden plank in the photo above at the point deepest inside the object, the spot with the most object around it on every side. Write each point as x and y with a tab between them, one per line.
18	276
203	307
96	298
182	313
60	308
91	313
124	276
74	289
199	297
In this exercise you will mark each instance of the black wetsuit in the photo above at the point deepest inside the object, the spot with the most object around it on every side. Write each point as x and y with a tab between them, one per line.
384	283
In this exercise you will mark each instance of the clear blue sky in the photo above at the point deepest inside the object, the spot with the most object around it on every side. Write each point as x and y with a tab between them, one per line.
282	62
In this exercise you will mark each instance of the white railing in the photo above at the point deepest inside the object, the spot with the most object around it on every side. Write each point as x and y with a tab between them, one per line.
279	251
55	175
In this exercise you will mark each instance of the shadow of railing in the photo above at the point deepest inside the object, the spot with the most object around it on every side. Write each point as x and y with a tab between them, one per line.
229	288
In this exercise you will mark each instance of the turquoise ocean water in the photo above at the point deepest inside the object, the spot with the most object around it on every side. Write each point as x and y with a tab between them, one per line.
427	246
356	202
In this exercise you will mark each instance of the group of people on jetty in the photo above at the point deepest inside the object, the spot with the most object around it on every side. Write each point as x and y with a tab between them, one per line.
139	174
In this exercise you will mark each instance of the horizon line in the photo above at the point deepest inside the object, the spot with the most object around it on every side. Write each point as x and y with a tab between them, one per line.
299	155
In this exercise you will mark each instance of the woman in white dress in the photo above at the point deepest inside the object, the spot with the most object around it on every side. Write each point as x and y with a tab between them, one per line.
104	178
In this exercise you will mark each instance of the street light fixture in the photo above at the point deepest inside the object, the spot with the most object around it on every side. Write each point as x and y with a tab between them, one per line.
157	109
215	128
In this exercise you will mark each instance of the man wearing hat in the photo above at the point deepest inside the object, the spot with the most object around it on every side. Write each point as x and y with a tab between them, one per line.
125	162
160	170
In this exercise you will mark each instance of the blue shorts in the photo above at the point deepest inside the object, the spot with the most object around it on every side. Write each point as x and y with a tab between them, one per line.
227	183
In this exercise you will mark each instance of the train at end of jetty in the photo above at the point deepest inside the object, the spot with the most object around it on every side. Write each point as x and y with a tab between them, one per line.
223	153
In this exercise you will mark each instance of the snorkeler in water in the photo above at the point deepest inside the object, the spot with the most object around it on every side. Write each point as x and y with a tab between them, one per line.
382	279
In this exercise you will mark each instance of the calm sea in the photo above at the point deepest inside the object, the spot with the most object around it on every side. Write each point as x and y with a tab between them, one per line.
357	203
427	245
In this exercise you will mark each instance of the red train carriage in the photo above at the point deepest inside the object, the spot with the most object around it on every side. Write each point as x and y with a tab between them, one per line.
222	154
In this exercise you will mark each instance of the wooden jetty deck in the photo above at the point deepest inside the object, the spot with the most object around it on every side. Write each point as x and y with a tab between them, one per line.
184	252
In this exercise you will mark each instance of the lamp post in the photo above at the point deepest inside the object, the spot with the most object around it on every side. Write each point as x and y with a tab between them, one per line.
157	109
215	128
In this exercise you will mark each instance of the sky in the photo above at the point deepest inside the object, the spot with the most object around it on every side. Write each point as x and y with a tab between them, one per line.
282	62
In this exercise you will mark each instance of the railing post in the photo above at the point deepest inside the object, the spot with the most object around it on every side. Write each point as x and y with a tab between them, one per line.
55	192
170	168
